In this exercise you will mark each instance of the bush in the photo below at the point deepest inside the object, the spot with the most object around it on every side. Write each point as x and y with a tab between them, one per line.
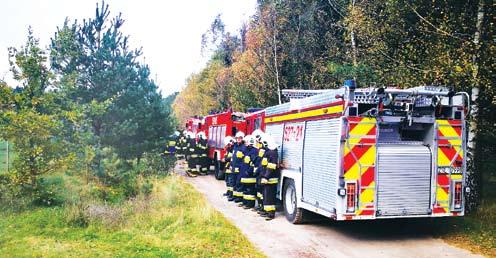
49	191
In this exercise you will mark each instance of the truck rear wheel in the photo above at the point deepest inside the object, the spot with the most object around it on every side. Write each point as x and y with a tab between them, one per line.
292	212
219	173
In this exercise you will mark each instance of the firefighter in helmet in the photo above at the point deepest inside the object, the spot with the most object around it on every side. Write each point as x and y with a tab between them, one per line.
202	149
258	170
248	179
228	147
192	156
270	178
181	145
237	161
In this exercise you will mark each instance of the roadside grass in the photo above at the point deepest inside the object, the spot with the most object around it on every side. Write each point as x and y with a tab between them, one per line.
475	232
175	221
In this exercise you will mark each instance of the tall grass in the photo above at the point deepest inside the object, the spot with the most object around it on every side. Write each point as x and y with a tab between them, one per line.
174	221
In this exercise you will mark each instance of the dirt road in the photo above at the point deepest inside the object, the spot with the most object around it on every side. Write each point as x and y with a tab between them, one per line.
324	238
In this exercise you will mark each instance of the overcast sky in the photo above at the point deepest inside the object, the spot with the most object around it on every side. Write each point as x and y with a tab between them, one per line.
169	31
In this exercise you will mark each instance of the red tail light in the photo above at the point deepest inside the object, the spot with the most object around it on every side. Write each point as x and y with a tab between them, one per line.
350	197
457	195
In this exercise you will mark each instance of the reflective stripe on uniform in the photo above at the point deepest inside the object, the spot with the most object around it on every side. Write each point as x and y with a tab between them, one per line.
269	207
265	162
237	194
239	154
172	143
249	197
260	195
248	180
191	149
230	188
194	156
204	155
273	181
236	170
272	166
261	153
203	169
229	155
247	159
228	171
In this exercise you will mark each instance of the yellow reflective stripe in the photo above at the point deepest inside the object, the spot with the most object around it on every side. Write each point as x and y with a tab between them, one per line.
239	154
247	159
236	170
265	162
305	114
228	171
229	155
272	165
260	195
172	143
237	194
203	169
191	149
269	207
261	152
248	180
230	188
273	181
249	197
194	156
204	155
263	181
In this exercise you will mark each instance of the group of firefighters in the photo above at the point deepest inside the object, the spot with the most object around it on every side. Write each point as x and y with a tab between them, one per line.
251	173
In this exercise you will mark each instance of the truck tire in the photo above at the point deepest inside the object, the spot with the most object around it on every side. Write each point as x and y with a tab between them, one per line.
292	212
219	172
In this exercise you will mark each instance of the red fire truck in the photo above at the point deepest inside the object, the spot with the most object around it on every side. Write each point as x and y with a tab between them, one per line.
217	127
255	120
195	124
371	153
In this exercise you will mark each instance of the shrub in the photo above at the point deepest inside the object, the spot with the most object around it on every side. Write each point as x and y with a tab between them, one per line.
49	191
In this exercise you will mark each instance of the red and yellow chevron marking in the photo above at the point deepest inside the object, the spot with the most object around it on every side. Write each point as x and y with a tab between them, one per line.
359	160
449	154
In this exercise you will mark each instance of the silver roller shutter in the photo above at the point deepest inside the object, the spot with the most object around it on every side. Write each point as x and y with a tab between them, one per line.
404	179
293	146
320	170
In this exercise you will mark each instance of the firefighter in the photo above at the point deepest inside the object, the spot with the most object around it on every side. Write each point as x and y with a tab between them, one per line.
202	150
228	147
181	145
237	160
171	145
191	155
270	178
259	168
248	179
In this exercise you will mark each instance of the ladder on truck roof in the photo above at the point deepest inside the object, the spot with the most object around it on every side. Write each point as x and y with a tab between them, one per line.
300	94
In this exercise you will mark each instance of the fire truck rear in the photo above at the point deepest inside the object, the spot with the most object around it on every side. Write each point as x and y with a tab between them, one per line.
371	153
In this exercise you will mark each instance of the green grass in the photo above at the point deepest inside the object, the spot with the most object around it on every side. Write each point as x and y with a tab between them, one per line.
175	222
475	232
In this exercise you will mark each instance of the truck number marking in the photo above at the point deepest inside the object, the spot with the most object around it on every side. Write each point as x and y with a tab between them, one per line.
293	133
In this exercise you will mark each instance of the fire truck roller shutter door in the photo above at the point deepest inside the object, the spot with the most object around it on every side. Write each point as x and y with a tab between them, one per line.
404	179
320	169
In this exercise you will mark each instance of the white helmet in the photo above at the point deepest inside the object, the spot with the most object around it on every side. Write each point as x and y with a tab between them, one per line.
228	140
271	143
249	140
240	134
191	135
258	134
176	133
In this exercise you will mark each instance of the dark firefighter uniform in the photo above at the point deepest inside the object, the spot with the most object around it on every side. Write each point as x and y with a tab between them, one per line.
237	161
192	155
181	146
270	178
202	150
170	146
228	171
248	179
259	169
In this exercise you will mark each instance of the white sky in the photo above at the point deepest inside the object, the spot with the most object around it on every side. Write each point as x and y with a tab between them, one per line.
169	31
